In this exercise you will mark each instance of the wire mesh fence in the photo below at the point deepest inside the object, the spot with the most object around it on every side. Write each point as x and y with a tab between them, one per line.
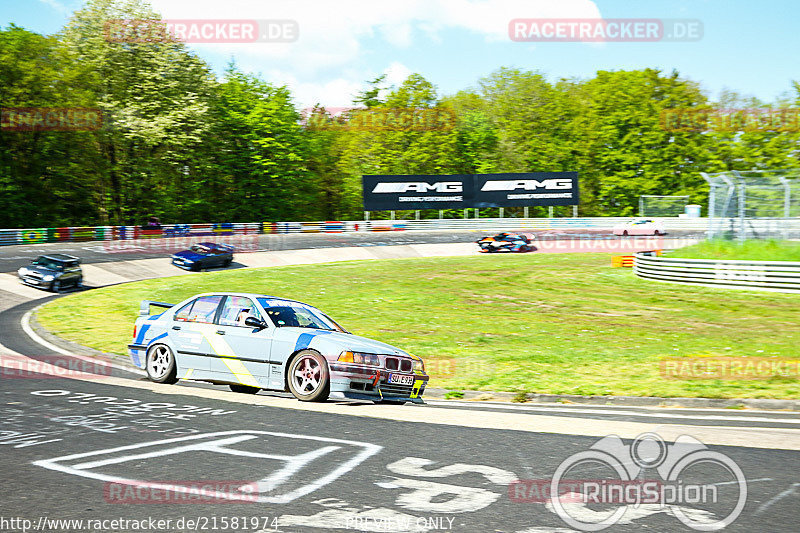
755	204
662	206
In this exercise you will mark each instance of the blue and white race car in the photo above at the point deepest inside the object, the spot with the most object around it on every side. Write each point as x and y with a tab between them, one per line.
252	342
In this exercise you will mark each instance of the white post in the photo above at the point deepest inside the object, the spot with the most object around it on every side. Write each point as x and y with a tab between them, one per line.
550	211
416	214
391	215
574	211
477	213
366	216
441	214
525	211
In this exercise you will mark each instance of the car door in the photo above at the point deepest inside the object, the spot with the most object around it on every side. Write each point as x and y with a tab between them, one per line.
191	330
245	349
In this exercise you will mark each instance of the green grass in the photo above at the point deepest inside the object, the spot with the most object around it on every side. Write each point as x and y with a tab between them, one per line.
549	323
768	250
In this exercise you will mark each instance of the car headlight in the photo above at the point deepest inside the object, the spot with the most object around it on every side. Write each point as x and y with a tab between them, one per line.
23	271
359	358
49	277
419	366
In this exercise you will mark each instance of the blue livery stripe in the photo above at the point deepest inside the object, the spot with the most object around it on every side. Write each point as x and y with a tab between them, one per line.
304	340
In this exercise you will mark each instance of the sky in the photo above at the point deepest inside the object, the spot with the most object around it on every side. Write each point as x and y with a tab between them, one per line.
746	46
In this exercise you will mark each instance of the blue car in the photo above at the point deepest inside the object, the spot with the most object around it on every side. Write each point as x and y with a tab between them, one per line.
252	342
204	255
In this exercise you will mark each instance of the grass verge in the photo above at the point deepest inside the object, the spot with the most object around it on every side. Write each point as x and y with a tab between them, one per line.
555	323
767	250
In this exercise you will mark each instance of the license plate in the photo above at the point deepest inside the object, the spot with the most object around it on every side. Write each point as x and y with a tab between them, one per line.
400	379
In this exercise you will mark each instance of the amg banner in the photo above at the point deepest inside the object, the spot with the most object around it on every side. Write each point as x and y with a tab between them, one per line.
391	193
529	188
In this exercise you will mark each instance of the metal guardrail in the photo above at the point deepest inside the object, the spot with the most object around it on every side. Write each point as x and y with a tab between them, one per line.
775	276
106	233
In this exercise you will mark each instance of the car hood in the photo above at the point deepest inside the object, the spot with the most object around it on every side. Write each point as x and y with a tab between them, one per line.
347	341
190	255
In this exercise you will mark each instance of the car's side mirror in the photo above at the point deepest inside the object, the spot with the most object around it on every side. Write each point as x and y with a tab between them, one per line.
253	322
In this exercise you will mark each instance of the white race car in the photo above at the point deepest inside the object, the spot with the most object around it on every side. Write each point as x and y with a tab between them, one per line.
640	226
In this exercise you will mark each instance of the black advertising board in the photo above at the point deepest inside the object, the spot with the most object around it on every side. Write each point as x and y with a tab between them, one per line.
390	193
524	189
458	191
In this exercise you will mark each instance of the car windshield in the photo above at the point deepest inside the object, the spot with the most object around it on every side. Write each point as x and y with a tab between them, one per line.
48	263
200	249
294	314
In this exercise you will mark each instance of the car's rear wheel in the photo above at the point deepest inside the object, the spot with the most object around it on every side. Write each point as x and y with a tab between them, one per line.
227	263
244	389
656	233
625	233
308	377
161	364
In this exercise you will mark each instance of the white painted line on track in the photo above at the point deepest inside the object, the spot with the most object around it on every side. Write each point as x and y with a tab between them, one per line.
622	412
26	327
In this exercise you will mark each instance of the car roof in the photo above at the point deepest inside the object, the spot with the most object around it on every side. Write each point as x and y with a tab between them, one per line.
60	257
215	245
249	295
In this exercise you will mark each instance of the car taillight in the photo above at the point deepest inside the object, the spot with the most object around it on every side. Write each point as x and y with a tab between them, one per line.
134	331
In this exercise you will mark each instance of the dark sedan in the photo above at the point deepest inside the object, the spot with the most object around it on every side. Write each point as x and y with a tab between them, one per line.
204	255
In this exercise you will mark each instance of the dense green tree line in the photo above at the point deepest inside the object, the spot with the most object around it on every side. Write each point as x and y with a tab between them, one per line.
182	144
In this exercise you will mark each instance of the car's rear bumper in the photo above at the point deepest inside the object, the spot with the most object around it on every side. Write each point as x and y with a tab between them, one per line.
137	353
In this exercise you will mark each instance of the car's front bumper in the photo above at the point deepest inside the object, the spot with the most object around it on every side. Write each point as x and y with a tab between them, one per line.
365	383
183	264
35	282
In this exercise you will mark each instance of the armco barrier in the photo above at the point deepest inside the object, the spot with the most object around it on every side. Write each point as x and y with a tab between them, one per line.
776	276
38	235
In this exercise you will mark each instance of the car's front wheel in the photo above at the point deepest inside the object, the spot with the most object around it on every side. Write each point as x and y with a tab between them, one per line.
161	364
56	286
308	377
244	389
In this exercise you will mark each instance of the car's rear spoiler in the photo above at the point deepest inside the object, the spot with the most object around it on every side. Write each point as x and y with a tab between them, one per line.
144	307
